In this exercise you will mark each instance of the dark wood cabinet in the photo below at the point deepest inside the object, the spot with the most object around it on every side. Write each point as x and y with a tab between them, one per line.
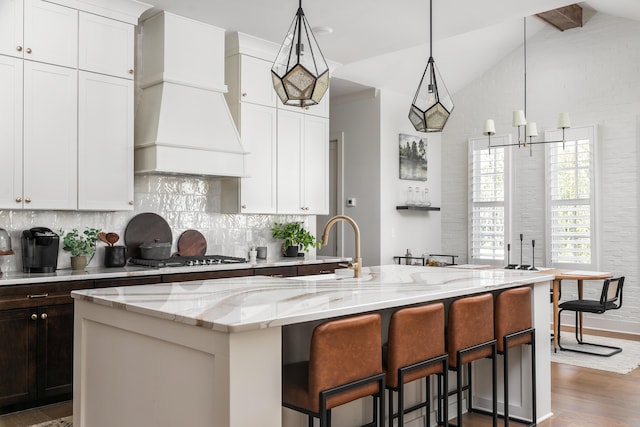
127	281
17	357
311	269
285	271
204	275
36	354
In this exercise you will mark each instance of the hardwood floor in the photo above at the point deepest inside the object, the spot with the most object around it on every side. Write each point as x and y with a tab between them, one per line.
580	397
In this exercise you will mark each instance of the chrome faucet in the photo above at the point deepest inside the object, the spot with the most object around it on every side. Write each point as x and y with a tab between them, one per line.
356	266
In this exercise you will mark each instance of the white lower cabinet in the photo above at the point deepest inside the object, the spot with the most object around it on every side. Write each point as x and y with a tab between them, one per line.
105	142
303	163
50	147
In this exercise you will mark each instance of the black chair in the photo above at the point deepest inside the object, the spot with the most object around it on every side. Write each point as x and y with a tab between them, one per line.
610	299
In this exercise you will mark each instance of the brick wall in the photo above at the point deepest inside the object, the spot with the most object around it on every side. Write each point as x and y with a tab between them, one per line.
593	73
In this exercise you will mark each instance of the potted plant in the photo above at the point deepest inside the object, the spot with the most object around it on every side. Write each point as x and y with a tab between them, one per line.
80	245
295	237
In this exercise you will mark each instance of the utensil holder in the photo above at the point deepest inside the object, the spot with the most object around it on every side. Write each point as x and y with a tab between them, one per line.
114	256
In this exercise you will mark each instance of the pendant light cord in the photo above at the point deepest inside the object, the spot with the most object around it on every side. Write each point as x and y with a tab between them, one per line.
525	65
430	28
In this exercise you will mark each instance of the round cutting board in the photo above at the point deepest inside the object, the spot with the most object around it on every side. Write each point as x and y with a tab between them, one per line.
145	227
192	243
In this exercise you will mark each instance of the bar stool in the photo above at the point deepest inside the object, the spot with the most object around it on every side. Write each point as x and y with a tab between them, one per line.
514	328
416	350
470	337
345	364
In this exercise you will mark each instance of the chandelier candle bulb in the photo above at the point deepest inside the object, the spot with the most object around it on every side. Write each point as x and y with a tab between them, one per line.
518	118
563	121
489	127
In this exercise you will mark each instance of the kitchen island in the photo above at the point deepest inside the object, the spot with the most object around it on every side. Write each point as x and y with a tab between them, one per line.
209	353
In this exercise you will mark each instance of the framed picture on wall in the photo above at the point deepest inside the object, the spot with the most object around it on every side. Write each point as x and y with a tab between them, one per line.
413	157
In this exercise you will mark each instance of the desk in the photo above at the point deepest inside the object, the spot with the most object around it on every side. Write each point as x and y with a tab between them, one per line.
561	275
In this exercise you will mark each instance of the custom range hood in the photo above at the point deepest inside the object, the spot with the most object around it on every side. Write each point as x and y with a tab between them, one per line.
183	124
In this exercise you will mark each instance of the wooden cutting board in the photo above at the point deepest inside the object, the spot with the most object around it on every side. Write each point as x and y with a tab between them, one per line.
192	243
145	227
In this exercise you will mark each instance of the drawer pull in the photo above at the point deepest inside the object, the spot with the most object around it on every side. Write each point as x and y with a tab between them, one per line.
31	296
324	271
34	316
277	276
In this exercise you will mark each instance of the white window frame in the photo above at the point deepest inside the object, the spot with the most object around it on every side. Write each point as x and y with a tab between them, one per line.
479	144
574	134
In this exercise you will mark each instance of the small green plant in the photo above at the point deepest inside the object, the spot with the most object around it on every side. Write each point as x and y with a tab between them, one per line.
80	243
294	234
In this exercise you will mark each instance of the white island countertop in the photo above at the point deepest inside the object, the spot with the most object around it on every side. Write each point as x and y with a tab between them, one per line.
251	303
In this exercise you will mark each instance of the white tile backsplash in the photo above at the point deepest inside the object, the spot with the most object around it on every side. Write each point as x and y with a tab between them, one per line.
185	202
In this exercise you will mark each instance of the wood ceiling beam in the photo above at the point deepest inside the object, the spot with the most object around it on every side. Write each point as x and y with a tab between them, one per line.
563	18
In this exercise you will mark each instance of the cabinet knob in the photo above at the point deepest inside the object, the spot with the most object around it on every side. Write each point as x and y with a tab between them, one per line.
18	199
34	316
244	93
131	71
19	48
28	50
27	200
44	316
244	206
131	202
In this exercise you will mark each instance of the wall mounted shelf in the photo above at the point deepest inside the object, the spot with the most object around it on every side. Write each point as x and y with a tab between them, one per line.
417	208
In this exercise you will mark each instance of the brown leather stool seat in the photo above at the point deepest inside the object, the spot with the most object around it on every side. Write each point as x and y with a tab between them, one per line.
416	349
470	337
513	326
345	364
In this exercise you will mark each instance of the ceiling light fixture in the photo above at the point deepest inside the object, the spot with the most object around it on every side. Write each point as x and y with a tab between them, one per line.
519	117
300	74
431	104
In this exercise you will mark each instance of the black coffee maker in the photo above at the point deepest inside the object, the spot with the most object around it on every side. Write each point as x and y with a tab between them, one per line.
39	250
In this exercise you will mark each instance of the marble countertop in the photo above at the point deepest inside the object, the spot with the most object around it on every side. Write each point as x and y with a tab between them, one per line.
249	303
19	278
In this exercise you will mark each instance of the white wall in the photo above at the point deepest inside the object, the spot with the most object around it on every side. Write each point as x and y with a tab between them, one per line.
418	231
593	73
358	119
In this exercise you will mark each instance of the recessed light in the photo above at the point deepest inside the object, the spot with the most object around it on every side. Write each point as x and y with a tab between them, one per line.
322	30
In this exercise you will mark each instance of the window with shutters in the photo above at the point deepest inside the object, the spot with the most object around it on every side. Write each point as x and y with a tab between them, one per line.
488	200
570	197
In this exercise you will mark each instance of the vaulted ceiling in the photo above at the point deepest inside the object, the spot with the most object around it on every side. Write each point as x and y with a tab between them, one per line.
384	44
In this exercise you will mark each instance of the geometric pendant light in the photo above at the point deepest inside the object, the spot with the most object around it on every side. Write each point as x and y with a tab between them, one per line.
300	74
432	103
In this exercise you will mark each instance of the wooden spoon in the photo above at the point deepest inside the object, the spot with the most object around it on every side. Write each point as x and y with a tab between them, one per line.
103	237
112	238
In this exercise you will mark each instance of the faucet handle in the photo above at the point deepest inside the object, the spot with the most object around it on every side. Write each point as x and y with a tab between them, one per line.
349	265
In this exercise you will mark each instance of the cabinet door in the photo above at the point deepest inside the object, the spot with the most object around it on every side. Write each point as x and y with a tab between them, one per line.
11	132
315	166
11	18
105	142
105	46
258	132
55	350
17	358
50	33
255	81
290	139
50	136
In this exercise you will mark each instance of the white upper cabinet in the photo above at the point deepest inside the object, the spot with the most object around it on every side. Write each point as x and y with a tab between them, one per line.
105	142
50	33
105	46
11	132
50	136
255	81
303	164
11	25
